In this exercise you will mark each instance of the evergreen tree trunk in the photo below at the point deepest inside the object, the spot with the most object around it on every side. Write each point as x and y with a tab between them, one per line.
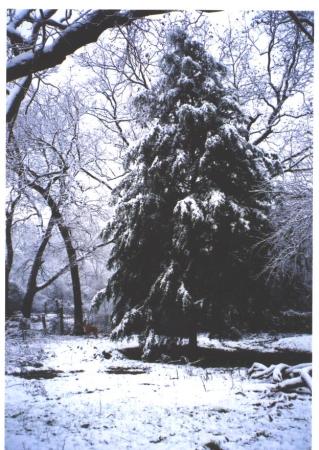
37	263
192	344
192	335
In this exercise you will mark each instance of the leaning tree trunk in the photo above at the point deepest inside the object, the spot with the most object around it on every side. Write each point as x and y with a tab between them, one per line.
37	263
9	246
66	235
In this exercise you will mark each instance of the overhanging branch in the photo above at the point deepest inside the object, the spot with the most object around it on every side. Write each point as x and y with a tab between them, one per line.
75	36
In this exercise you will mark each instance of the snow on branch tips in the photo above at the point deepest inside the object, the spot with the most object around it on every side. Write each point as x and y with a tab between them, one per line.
130	323
188	207
98	299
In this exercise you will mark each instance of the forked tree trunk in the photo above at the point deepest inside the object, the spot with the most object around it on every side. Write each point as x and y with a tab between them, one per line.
66	235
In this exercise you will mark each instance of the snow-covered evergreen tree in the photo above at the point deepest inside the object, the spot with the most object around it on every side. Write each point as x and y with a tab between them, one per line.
189	212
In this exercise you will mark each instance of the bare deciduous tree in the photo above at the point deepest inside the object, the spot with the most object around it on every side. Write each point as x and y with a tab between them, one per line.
46	154
270	64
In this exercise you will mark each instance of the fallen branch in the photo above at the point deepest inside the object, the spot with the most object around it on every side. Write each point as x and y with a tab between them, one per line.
306	377
297	368
277	375
286	377
287	385
263	373
256	367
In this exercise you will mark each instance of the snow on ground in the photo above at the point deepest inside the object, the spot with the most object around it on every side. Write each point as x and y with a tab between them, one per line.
261	342
141	405
300	343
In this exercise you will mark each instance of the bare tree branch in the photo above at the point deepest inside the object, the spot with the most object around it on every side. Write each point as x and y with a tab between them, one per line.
299	22
79	33
67	266
16	96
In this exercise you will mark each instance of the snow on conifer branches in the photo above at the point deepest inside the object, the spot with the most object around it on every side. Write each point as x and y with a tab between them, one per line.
189	203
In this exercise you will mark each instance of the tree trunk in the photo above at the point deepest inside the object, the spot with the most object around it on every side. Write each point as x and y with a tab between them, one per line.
37	263
281	374
192	343
9	255
9	246
75	276
66	234
192	335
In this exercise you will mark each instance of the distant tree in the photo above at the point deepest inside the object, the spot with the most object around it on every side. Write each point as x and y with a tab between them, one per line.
189	212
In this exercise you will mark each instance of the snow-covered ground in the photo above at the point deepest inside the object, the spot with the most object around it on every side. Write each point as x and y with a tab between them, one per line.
117	403
263	342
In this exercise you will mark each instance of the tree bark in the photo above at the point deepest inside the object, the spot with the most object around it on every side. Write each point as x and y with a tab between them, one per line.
37	263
